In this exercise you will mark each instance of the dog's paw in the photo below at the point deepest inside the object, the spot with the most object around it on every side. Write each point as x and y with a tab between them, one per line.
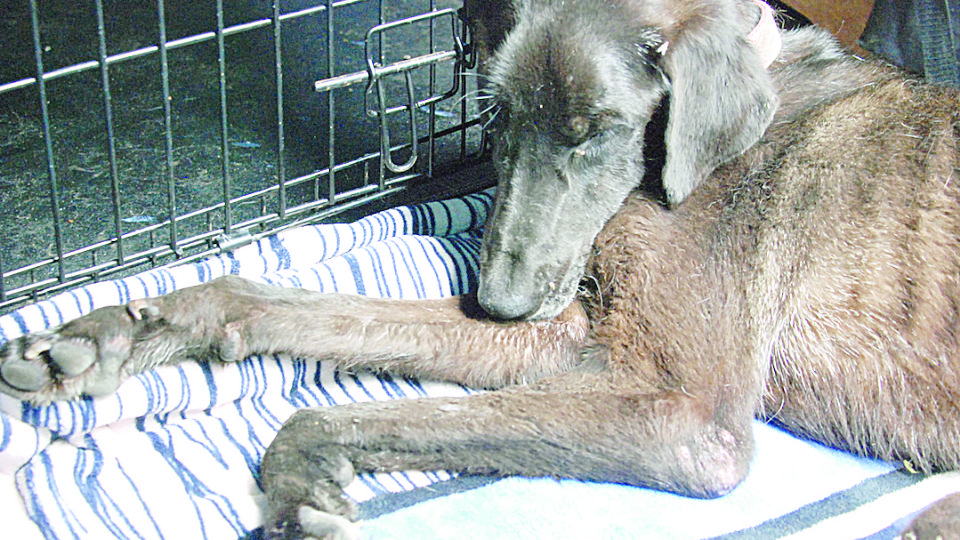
303	479
88	356
313	524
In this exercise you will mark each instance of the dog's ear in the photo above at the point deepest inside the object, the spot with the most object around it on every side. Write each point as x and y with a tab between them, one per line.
490	21
721	97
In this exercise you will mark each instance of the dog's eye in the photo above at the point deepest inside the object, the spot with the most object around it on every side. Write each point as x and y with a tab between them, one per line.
579	127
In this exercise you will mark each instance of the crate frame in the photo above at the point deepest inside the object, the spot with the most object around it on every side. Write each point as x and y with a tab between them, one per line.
384	180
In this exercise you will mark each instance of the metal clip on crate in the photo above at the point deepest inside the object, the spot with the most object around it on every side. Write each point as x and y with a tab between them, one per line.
376	73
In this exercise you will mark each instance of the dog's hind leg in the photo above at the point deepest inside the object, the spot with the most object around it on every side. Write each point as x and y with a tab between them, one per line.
597	427
939	520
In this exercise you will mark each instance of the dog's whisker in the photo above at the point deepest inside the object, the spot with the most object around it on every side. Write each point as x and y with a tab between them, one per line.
476	95
476	74
486	125
490	108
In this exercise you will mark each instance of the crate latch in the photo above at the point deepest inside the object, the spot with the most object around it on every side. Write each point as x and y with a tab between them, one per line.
385	150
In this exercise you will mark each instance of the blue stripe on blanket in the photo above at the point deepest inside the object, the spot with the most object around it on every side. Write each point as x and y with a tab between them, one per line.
837	504
174	453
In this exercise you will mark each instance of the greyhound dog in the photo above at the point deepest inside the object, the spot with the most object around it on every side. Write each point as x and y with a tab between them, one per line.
797	259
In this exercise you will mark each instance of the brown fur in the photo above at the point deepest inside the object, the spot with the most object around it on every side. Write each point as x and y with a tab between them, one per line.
812	278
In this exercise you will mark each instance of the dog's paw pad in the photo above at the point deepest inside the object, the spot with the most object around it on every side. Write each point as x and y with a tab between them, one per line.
24	374
72	357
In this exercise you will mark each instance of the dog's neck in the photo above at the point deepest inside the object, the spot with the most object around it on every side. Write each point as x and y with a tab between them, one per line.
765	36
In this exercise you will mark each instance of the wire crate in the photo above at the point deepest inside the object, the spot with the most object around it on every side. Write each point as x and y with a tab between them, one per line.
143	134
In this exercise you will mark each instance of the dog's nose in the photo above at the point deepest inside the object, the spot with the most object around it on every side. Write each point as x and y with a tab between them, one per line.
502	303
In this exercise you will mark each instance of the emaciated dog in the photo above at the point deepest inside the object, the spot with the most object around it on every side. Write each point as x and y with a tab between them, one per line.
802	265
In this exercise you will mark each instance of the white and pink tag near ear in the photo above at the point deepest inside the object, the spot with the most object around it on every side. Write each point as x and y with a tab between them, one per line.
765	36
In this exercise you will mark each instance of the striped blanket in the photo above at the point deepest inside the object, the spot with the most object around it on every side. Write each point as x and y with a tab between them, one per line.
174	453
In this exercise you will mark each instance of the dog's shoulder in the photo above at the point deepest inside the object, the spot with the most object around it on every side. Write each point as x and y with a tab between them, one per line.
813	70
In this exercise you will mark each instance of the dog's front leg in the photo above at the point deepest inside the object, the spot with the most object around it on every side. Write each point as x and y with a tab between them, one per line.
231	318
586	426
447	339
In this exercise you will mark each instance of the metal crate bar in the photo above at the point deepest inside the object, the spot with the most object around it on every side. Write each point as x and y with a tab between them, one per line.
175	44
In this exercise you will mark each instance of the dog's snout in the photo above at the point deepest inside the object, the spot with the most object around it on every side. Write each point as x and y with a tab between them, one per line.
509	281
506	303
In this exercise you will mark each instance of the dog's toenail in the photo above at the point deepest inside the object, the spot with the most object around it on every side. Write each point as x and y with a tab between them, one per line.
141	310
36	349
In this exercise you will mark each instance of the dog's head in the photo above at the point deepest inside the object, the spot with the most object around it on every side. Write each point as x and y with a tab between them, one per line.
576	82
